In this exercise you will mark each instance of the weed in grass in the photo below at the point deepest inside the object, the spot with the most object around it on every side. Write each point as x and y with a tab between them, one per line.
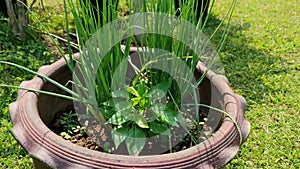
31	53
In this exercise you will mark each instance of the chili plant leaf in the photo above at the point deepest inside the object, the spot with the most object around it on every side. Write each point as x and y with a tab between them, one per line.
132	91
108	103
123	105
120	93
141	121
135	141
158	127
160	90
144	103
170	117
142	89
117	119
158	109
119	135
135	101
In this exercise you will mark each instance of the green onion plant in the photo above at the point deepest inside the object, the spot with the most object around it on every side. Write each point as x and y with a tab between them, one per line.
139	94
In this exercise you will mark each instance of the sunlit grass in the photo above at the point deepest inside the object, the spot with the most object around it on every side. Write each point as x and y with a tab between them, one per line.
262	61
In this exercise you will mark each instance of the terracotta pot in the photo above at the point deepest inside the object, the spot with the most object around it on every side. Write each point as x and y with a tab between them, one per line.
32	112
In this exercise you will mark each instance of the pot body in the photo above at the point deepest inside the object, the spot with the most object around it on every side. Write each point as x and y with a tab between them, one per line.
32	112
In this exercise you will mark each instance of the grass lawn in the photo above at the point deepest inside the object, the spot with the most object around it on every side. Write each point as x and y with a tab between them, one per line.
31	53
261	58
262	61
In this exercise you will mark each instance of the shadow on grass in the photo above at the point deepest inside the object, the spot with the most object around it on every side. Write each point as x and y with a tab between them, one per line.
243	64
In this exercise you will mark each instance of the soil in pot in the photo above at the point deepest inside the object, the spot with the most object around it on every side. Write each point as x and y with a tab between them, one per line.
67	125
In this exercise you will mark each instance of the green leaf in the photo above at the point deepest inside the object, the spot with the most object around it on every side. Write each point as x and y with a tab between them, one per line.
65	135
142	89
120	93
141	122
158	128
119	135
109	103
170	117
130	114
107	112
160	90
158	108
117	119
165	114
123	105
144	103
135	101
135	141
132	91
